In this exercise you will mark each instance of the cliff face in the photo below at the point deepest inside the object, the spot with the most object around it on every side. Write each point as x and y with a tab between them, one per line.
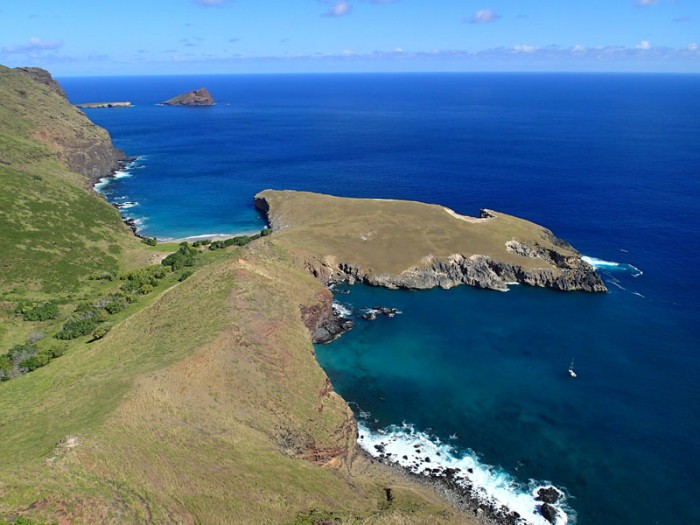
43	77
198	97
81	145
477	270
398	244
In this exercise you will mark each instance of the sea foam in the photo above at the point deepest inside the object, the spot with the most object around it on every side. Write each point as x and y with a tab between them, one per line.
422	454
343	310
612	266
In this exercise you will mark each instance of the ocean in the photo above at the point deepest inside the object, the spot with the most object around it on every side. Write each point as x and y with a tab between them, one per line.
611	163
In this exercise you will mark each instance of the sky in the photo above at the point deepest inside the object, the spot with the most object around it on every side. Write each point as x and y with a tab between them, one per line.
171	37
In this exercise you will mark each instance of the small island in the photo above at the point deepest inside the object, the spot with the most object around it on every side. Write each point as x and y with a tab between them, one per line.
198	97
93	105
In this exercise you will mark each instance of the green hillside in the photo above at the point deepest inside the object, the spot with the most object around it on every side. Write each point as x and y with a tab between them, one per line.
52	231
181	392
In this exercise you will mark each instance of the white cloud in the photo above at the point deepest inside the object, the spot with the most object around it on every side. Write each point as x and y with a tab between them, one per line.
525	48
693	46
33	45
483	16
339	8
644	44
210	3
578	48
646	3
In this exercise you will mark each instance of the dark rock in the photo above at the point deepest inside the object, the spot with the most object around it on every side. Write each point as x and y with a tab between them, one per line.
198	97
372	313
389	494
330	329
548	512
43	77
548	495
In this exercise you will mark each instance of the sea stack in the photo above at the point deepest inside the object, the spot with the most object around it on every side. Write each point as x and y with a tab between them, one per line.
198	97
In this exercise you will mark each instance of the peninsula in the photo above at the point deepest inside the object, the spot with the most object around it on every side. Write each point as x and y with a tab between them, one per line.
198	97
404	244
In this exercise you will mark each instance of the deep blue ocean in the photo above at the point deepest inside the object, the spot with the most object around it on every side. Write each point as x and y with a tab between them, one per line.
611	163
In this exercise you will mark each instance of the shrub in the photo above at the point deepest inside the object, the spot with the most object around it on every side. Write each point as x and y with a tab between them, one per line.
265	232
184	256
150	241
100	332
185	275
136	279
116	306
5	367
146	289
74	328
37	311
25	358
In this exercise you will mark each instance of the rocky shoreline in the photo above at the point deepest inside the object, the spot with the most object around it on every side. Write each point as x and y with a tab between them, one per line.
479	271
121	165
444	484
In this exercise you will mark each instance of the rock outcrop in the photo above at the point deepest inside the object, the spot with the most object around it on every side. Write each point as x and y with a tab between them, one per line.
198	97
501	253
324	323
43	77
477	270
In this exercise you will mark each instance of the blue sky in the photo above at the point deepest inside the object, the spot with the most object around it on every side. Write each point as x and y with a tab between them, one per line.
133	37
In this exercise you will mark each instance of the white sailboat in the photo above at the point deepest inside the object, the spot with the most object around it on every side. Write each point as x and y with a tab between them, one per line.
571	369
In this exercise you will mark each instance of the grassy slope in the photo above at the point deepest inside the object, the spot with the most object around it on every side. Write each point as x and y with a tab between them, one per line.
204	404
392	236
52	232
205	407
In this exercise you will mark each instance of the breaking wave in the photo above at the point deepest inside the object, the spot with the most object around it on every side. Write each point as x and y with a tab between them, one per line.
611	266
425	455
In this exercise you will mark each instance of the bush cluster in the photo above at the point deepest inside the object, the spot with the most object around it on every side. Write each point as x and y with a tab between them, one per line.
32	311
150	241
136	281
241	240
26	358
184	256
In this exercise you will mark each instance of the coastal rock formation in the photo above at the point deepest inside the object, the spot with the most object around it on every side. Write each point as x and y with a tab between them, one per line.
43	77
84	147
198	97
403	244
324	323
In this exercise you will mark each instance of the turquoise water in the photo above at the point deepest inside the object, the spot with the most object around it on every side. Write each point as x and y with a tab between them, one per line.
611	163
491	369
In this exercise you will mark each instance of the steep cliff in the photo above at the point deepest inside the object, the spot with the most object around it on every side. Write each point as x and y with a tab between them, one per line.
402	244
84	147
